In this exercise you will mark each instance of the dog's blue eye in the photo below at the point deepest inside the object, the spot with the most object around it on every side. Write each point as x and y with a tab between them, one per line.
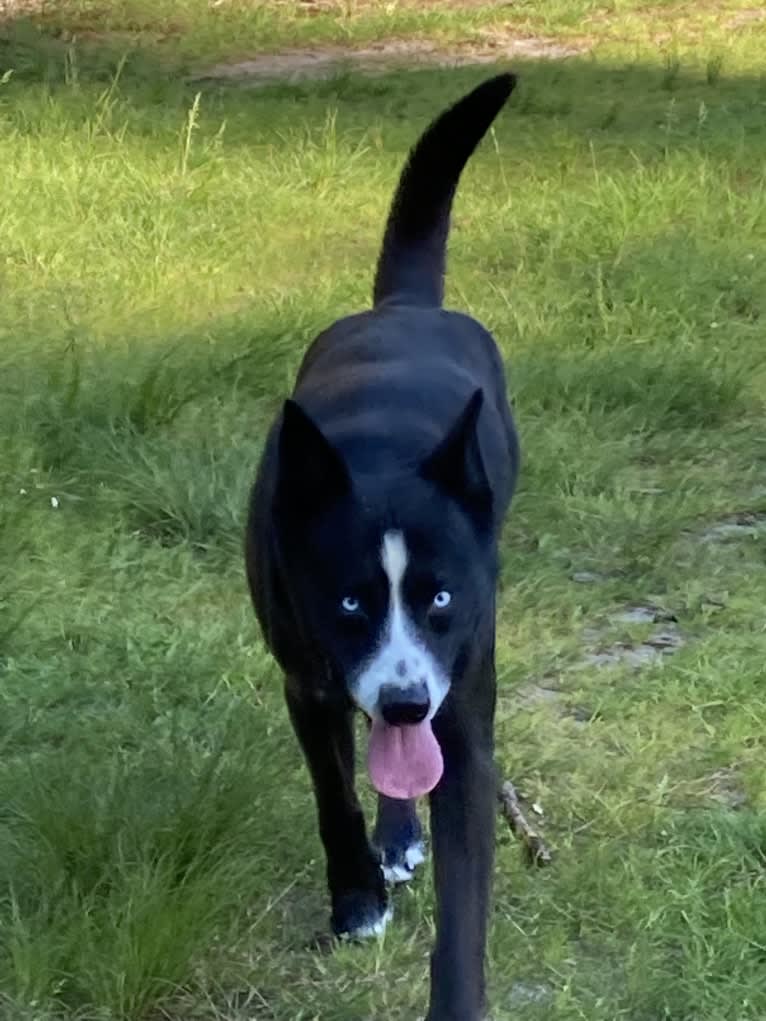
350	605
442	600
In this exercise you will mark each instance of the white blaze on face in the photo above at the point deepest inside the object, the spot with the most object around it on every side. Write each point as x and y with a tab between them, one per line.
401	657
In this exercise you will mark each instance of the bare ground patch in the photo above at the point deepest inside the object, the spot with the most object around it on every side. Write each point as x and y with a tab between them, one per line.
294	65
349	8
723	788
741	525
601	648
749	16
19	8
660	643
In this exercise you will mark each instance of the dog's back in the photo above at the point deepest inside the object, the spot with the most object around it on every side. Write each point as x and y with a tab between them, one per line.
384	385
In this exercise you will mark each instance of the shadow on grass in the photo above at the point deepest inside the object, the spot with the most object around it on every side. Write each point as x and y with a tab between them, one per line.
166	442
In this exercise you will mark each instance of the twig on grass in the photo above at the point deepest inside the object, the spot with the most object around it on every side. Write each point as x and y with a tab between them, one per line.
535	850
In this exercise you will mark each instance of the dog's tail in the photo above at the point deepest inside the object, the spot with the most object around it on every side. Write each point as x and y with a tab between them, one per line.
412	261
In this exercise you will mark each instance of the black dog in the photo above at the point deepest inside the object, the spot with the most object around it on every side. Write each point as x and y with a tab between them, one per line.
372	560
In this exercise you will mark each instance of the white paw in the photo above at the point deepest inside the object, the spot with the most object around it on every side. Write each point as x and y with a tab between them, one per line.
372	928
415	855
402	872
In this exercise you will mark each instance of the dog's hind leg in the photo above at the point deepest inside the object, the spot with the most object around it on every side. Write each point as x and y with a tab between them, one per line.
398	837
462	839
354	875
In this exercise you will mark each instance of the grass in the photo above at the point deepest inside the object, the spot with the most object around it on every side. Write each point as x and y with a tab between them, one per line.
169	249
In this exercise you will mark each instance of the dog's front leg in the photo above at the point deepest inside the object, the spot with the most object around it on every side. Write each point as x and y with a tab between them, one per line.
462	829
354	875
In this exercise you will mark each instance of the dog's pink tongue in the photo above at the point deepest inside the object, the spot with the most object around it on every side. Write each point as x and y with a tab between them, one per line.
406	761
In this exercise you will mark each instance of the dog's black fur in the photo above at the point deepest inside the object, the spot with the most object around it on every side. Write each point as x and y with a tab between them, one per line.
399	424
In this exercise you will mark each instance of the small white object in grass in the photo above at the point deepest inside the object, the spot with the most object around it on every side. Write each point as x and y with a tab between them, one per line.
537	808
54	502
22	492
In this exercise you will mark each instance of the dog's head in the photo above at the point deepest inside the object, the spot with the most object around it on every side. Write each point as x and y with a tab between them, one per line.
390	578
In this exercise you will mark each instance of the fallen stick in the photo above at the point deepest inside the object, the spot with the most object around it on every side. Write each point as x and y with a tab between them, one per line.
535	849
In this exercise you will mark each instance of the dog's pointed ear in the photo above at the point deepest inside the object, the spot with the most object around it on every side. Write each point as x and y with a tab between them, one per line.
311	471
456	465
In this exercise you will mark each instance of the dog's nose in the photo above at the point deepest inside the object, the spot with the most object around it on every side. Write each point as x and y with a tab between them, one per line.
402	705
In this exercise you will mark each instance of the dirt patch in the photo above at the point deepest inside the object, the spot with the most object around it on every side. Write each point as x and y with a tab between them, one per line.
744	525
19	8
653	649
350	8
749	16
589	577
523	993
602	648
532	694
294	65
662	642
726	788
643	614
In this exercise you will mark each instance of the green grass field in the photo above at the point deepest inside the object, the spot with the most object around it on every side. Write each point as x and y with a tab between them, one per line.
167	250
